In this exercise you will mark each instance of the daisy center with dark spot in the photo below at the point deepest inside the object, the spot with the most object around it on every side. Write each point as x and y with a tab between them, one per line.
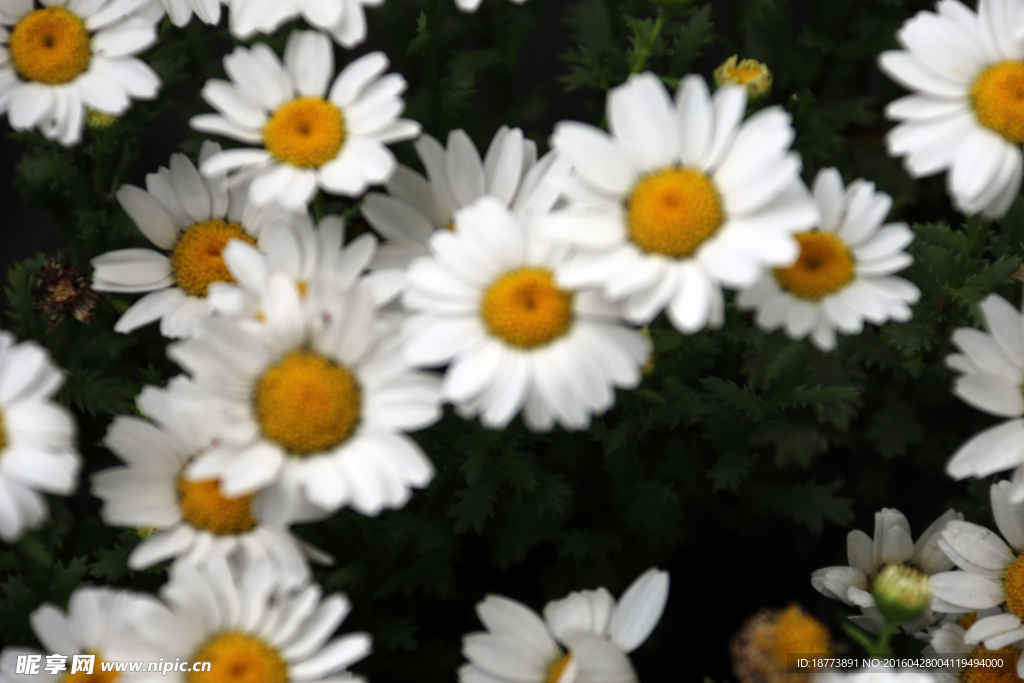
997	97
306	132
824	266
50	45
673	211
197	260
526	309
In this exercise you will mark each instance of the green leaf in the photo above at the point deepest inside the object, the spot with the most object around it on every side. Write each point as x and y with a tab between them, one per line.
111	563
733	396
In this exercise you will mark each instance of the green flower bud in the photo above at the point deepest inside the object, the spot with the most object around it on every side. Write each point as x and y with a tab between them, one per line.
902	592
750	73
98	120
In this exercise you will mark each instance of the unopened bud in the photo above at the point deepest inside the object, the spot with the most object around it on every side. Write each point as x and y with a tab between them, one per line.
98	120
902	592
750	73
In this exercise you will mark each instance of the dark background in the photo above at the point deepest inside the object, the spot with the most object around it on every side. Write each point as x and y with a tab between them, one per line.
717	580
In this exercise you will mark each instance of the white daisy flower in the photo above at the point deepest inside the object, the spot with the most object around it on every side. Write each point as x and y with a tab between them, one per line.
965	71
69	55
192	519
583	637
345	20
316	405
843	275
993	574
305	140
415	207
965	661
680	199
98	622
250	627
37	437
993	373
487	304
313	258
892	544
192	218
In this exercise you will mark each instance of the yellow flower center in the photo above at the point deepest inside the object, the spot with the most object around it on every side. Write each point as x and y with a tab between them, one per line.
1007	673
197	260
98	675
306	132
673	211
968	620
238	658
525	308
559	666
825	266
51	46
1013	585
307	403
3	433
205	507
797	632
998	99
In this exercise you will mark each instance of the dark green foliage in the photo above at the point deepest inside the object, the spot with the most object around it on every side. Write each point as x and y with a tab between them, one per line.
740	463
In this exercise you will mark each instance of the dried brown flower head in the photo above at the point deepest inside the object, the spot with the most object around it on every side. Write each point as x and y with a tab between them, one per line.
59	289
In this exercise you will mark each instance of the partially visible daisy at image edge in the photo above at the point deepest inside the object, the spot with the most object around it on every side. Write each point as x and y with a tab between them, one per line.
70	55
345	20
37	437
192	218
584	637
271	633
473	5
843	276
992	373
682	198
301	139
965	71
98	622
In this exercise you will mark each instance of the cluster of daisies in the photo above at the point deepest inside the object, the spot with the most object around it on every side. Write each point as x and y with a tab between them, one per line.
508	284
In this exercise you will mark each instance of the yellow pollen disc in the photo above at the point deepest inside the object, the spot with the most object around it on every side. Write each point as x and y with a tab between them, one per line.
197	260
968	620
797	632
825	266
3	434
307	403
998	99
673	211
1007	673
525	308
238	658
306	132
1013	585
50	46
556	670
205	507
98	675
